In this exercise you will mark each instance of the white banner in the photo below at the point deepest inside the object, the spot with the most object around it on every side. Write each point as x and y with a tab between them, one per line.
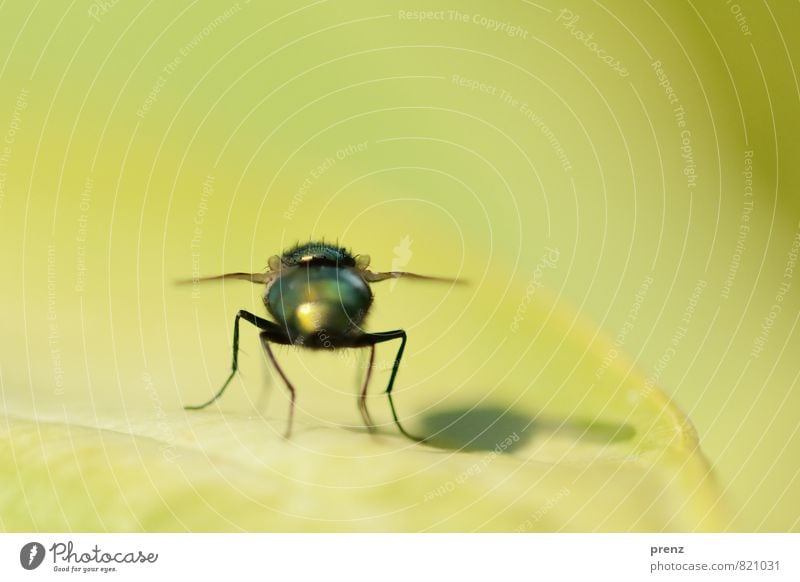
400	557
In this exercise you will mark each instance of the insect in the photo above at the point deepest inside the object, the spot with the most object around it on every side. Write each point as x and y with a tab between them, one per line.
319	295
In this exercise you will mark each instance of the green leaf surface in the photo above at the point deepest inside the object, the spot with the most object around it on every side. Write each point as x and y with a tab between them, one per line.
575	449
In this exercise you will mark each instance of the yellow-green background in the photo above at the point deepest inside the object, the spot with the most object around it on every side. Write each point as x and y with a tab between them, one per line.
271	90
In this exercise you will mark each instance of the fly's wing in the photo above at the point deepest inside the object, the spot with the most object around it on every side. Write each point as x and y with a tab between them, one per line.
274	266
371	277
362	262
260	278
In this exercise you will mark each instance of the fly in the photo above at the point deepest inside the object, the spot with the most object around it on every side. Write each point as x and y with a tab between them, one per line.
318	295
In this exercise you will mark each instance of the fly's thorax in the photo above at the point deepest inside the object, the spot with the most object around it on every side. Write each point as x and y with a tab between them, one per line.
310	301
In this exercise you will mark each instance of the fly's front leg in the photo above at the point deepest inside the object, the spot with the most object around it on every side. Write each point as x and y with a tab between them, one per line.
260	323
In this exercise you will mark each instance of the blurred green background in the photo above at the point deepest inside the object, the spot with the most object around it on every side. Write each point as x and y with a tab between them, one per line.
635	165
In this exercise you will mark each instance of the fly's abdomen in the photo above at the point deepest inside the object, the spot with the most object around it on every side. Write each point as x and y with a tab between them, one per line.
318	304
